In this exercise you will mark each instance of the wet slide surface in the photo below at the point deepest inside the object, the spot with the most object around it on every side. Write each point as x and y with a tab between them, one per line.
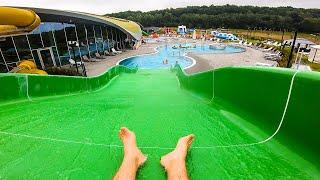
76	136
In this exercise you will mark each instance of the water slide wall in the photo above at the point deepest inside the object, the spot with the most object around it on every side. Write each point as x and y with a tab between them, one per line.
261	96
255	93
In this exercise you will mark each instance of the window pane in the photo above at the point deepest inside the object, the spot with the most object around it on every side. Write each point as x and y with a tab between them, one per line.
60	40
99	40
3	67
46	32
22	47
105	38
55	53
92	43
71	36
111	37
82	39
35	39
64	60
8	50
36	59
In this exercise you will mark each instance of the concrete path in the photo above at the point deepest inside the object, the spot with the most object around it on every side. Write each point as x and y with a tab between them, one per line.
97	68
213	61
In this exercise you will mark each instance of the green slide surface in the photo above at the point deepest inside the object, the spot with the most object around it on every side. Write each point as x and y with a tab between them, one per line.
55	127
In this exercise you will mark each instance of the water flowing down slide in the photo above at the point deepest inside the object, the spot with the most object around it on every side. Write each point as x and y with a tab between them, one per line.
248	122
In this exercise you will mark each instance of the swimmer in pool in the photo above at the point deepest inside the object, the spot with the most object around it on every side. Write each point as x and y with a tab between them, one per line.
173	162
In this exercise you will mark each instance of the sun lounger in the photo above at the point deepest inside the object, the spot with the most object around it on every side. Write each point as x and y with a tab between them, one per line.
256	46
86	59
269	43
250	44
267	50
260	46
73	62
273	58
98	56
116	52
107	53
278	53
266	64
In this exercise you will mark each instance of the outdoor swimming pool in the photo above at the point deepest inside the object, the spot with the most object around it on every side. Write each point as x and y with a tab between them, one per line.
155	61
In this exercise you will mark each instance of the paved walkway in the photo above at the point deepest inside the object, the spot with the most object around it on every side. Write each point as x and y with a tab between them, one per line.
213	61
97	68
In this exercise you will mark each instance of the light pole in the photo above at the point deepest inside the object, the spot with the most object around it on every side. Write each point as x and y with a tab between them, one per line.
282	36
292	49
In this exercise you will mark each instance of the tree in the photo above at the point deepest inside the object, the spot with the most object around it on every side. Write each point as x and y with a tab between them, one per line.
230	16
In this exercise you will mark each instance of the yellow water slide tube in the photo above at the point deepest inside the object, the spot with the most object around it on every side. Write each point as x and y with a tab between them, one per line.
28	67
17	21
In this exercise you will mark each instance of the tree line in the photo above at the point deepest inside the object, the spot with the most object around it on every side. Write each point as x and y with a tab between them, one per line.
230	16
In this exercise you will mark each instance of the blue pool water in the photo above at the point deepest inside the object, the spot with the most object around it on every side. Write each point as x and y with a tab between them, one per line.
155	61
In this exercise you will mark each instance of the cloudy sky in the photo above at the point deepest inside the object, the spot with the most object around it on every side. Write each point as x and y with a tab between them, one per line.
109	6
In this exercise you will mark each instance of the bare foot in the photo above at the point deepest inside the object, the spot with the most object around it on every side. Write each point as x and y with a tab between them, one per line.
178	155
131	151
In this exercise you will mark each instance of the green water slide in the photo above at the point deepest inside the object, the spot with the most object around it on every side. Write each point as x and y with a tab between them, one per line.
249	123
145	33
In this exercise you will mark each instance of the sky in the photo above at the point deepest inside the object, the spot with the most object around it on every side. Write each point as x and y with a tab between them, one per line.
111	6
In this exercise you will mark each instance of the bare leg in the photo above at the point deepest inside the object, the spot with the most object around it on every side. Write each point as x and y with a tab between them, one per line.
133	158
174	162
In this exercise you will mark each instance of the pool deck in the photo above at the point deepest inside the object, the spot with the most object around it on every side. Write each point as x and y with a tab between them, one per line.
213	61
204	62
97	68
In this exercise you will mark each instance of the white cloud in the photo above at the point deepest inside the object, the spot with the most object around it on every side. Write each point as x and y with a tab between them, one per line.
109	6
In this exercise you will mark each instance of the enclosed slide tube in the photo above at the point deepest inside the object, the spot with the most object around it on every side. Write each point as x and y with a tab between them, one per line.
17	21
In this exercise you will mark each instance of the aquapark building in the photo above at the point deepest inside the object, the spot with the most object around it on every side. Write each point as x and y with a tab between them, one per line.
53	37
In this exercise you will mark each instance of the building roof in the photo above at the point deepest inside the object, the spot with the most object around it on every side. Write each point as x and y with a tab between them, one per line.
128	27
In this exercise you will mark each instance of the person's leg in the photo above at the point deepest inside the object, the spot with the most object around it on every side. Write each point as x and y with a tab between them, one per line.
133	157
174	162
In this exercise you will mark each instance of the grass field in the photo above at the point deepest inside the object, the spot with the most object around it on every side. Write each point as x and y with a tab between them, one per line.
275	35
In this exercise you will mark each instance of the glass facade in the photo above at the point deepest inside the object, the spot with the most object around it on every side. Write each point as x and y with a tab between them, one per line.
22	46
61	42
82	38
91	39
54	43
8	53
99	39
3	66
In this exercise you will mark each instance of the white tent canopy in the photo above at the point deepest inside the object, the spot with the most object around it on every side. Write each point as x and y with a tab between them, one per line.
314	55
